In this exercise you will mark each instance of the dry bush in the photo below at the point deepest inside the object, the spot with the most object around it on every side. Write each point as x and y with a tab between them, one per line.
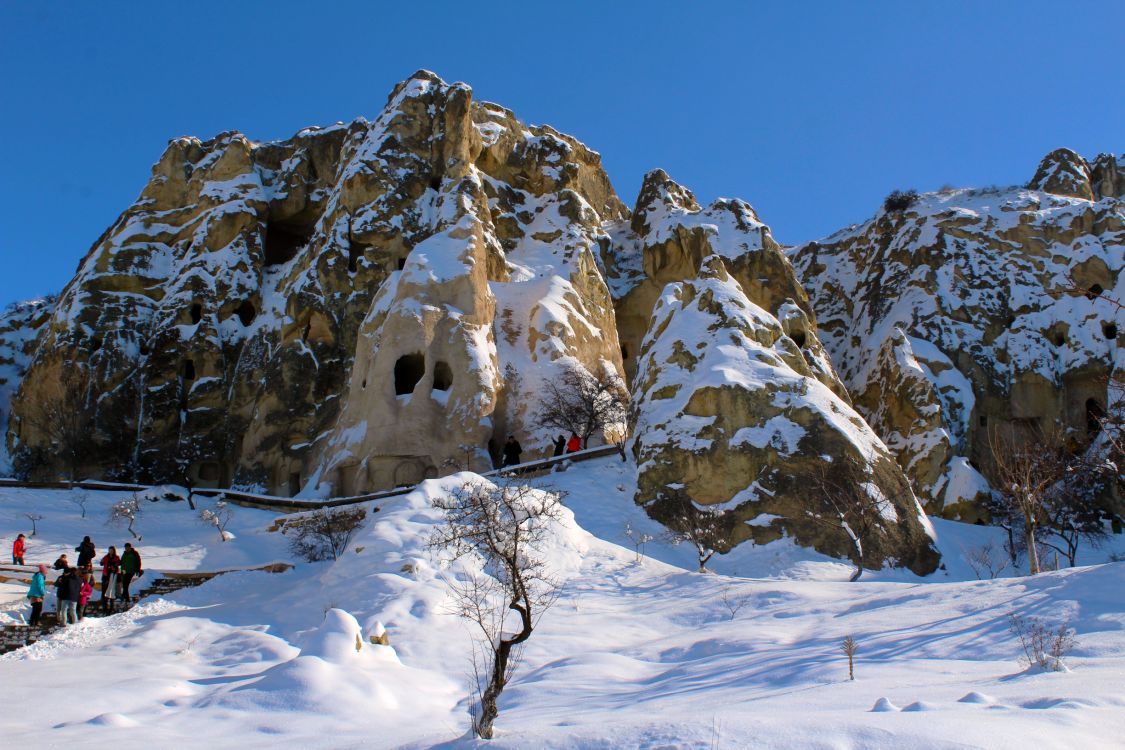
849	647
1042	645
323	533
986	560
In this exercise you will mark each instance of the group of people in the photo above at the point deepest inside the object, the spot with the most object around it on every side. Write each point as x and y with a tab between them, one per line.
76	584
513	450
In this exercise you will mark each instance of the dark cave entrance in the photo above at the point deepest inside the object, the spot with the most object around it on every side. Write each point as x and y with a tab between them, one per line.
443	376
283	241
1094	416
409	369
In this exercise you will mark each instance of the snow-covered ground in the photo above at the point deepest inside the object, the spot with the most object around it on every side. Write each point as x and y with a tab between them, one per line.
635	653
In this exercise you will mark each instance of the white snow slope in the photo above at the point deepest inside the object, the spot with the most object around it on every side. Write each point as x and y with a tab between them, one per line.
637	652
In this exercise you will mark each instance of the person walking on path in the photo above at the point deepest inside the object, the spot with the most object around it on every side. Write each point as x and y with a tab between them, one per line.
19	549
130	568
574	444
512	451
62	563
111	568
84	593
560	447
86	553
36	592
69	589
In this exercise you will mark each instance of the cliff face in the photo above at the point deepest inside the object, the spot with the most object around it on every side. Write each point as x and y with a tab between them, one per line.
973	311
218	319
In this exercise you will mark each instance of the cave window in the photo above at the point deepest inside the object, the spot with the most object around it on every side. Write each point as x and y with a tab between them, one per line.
435	183
246	312
355	252
196	313
189	369
294	483
982	420
144	349
1109	330
1094	291
443	376
799	339
409	369
283	241
363	384
624	352
401	263
95	345
1094	416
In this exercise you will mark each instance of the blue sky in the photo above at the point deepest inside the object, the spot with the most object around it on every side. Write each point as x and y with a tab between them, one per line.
812	112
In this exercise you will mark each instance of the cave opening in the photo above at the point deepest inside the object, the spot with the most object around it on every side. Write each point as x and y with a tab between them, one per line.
409	369
1094	416
799	339
294	483
401	263
196	313
283	241
624	352
435	183
355	252
246	312
189	370
1095	290
443	376
1109	330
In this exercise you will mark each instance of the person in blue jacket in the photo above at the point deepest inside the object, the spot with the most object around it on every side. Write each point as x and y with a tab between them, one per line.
35	594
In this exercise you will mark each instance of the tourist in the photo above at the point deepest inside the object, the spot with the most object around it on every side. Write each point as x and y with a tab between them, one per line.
36	593
111	567
560	446
84	593
574	444
130	568
69	588
62	563
512	451
86	553
19	548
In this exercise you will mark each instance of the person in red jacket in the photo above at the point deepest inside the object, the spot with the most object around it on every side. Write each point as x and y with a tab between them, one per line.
19	548
84	593
574	444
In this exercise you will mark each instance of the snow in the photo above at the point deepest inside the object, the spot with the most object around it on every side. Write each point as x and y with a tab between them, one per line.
635	652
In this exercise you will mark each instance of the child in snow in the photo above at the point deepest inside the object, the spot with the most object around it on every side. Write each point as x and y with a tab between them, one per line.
19	548
84	593
36	593
62	563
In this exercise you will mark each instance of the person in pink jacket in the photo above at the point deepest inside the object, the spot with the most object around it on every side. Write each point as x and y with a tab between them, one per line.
84	593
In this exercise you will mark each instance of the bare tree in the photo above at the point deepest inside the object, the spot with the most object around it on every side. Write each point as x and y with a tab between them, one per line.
80	499
33	517
323	533
505	527
638	539
845	501
703	528
985	560
126	511
1027	471
583	404
1072	511
219	516
62	419
732	600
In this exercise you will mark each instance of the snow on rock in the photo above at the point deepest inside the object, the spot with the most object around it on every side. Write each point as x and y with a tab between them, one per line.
20	326
976	310
727	410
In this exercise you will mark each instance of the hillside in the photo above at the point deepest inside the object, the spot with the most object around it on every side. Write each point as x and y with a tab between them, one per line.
254	659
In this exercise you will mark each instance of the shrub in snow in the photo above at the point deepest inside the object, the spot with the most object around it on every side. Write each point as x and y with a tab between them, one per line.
1043	646
703	528
849	649
842	499
504	528
127	512
900	200
218	516
324	533
986	560
637	539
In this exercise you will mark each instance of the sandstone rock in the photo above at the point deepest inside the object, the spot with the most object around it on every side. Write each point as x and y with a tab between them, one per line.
20	326
727	410
667	240
966	290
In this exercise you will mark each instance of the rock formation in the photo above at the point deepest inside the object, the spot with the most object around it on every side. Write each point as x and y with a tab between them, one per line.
727	410
20	326
974	311
219	317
